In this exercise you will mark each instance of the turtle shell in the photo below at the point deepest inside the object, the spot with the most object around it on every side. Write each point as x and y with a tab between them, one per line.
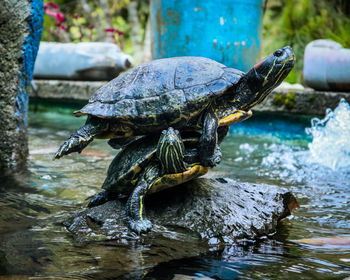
124	170
162	87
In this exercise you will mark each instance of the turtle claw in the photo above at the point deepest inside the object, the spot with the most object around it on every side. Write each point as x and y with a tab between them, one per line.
73	144
139	226
63	150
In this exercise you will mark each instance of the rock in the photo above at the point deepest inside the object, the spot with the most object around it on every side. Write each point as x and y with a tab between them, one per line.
287	86
305	102
196	218
207	211
65	90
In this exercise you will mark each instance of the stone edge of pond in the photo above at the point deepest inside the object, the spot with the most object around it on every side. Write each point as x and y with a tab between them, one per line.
304	102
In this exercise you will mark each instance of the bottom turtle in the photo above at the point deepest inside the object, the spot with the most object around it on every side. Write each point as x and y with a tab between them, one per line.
149	165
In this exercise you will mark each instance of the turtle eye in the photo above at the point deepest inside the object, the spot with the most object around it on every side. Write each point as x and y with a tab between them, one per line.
278	52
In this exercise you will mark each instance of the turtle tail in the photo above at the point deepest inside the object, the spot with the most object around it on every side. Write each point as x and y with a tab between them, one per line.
82	137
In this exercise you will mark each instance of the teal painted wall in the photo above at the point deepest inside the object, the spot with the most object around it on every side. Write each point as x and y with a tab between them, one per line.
227	31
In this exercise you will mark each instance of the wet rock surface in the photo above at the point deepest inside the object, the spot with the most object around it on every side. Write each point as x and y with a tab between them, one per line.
203	211
201	216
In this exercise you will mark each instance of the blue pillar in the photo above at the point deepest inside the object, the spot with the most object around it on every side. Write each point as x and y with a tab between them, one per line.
29	52
20	33
227	31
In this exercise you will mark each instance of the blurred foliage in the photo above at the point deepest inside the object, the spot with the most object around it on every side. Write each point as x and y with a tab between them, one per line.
89	21
286	22
297	22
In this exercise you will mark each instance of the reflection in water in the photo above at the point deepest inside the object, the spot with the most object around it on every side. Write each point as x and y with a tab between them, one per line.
267	149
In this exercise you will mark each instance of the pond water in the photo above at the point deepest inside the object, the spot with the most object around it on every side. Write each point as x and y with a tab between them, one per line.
270	149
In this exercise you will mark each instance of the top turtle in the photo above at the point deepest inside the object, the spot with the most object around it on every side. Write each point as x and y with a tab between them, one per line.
187	93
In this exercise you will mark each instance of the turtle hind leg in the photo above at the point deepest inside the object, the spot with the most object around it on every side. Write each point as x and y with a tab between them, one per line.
138	226
135	212
135	209
82	137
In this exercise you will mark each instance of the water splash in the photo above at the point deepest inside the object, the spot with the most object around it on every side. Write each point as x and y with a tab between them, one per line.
331	138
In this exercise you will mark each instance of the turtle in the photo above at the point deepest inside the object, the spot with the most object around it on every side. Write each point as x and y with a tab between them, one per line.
148	165
186	93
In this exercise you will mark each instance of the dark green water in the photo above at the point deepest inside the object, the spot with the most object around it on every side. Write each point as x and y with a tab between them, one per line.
269	149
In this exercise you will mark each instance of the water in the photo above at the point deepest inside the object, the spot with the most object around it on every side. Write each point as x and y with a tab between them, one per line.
270	149
330	144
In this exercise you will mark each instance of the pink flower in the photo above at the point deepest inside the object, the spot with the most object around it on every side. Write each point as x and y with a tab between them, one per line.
62	26
114	30
51	5
59	17
50	13
52	10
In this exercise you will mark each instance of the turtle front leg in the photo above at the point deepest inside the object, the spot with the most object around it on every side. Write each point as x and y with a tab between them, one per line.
82	137
222	132
210	154
135	212
228	117
101	198
217	119
232	116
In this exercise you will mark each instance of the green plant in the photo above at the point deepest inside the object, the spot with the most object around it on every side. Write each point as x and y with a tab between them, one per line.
64	22
89	21
297	22
287	100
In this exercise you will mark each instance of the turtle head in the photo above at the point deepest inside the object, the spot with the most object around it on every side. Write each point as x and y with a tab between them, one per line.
170	151
268	74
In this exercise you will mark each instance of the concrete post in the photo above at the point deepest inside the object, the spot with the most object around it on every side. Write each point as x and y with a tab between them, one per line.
21	24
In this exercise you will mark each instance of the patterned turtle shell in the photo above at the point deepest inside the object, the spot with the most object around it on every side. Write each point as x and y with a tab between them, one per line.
162	87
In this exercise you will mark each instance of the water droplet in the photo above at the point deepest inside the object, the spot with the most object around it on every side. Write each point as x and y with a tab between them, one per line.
46	177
